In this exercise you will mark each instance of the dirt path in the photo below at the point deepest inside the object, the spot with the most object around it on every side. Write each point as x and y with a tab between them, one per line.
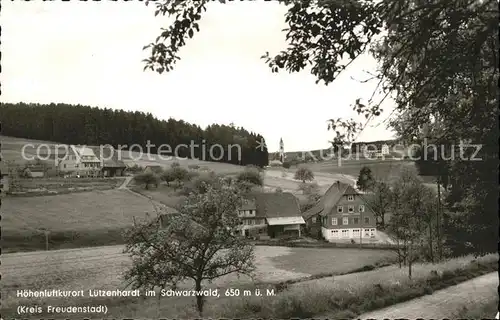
444	303
160	206
125	183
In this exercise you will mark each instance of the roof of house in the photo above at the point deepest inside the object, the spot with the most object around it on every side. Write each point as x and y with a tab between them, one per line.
248	205
330	199
111	159
272	205
84	150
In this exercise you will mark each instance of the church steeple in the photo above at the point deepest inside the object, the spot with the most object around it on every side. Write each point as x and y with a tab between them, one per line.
282	150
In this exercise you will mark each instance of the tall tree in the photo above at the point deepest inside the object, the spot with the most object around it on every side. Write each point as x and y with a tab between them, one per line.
380	201
365	179
198	244
407	220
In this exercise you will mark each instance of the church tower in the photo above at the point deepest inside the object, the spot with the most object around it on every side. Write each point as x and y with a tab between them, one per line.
282	151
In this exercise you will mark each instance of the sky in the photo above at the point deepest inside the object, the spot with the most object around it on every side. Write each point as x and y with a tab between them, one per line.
90	53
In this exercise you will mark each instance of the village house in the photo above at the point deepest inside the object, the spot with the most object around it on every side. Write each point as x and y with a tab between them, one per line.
271	215
370	151
80	161
111	165
341	214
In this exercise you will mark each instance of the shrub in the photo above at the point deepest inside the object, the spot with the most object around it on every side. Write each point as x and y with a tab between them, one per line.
175	164
250	175
146	178
287	165
304	174
198	184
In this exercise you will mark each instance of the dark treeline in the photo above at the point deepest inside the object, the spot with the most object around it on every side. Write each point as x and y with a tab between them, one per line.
70	124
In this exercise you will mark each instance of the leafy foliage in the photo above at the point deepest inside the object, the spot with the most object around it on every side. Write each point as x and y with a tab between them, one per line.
250	175
200	243
147	179
304	174
380	201
411	206
365	179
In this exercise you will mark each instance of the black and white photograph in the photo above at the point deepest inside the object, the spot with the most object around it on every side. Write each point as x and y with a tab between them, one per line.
196	159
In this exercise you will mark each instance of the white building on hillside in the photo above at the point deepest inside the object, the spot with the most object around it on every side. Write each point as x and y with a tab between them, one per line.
80	161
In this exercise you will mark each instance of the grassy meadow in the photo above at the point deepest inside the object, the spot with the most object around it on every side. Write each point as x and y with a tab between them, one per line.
77	219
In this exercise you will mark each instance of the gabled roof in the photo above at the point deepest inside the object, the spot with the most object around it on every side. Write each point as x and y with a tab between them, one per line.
330	199
248	205
109	157
83	150
274	205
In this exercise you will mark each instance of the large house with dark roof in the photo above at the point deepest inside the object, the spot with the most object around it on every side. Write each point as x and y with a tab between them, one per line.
270	215
341	214
111	164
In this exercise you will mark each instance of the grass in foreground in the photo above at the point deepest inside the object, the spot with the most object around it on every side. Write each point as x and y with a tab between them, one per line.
486	310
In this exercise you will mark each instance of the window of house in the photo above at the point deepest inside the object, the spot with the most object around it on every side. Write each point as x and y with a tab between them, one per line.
345	221
372	232
64	165
313	219
367	220
350	197
356	232
367	232
252	222
335	233
340	209
334	221
350	208
345	233
361	208
355	220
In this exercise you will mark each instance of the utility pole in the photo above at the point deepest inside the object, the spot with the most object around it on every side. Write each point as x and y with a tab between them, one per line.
46	233
438	218
360	228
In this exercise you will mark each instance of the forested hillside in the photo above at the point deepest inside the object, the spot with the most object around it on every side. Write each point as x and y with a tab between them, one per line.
70	124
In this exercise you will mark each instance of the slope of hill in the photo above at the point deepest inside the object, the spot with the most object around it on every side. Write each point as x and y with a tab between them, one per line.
70	124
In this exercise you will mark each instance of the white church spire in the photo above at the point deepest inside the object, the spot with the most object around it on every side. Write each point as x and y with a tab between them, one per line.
282	151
